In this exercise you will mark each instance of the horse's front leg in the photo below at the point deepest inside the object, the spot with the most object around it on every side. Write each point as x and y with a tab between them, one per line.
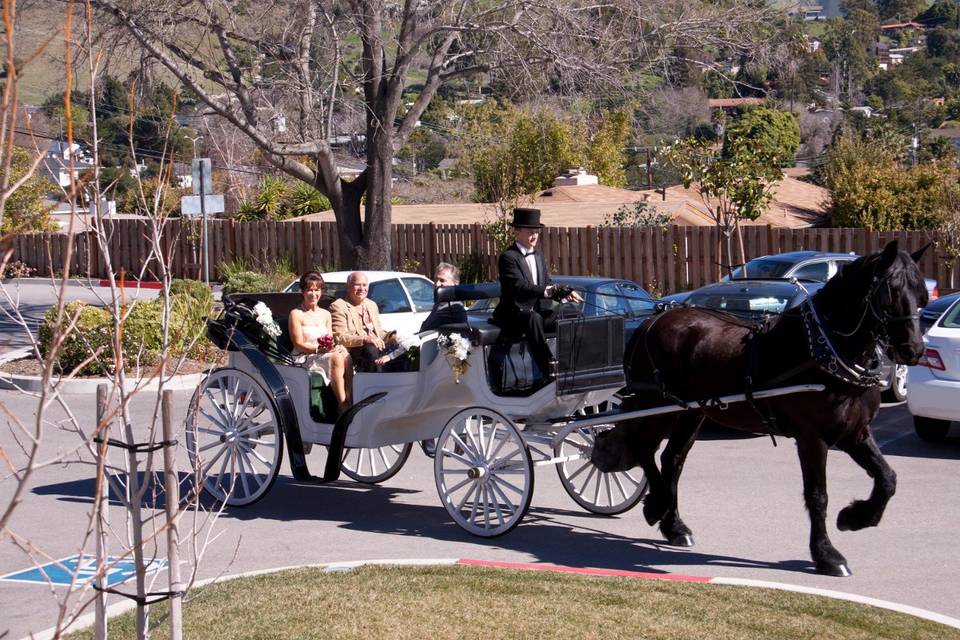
813	462
867	513
682	437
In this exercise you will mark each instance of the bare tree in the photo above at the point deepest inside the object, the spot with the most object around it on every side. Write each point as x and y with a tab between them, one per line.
128	468
284	72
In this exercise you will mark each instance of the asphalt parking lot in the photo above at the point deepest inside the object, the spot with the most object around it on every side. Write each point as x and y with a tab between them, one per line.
740	495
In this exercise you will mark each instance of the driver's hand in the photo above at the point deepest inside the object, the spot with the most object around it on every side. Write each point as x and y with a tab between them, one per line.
573	297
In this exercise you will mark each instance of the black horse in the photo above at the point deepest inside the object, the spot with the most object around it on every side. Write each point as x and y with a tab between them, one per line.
687	354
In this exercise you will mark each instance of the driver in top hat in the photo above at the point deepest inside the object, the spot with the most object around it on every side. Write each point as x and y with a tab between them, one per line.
524	284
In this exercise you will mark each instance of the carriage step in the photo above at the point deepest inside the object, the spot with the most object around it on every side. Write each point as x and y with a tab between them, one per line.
559	460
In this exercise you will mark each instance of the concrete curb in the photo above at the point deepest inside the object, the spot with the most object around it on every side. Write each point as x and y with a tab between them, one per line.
334	567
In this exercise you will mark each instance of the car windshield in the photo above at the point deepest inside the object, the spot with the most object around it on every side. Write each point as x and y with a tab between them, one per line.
421	292
951	319
389	296
763	268
740	302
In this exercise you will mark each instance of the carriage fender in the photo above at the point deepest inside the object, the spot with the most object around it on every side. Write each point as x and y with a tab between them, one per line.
282	402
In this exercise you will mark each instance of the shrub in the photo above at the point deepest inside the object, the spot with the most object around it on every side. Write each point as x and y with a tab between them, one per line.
472	268
143	332
245	282
17	269
188	325
91	335
193	289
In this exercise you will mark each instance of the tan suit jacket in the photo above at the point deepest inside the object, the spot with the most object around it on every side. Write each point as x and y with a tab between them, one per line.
348	322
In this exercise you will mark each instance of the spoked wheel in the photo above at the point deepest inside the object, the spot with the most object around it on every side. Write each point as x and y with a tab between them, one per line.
234	438
594	490
484	472
375	465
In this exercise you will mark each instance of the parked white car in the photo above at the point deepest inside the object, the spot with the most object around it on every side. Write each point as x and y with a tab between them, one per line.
404	299
934	384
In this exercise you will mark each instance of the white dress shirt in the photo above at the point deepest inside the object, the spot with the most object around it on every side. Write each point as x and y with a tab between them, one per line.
531	260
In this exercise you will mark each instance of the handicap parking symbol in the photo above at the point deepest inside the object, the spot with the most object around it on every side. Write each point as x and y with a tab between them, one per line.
80	569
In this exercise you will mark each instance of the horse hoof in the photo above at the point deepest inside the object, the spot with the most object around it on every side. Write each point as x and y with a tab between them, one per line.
836	570
681	540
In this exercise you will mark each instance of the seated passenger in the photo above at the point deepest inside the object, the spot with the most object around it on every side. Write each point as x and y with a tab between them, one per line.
356	324
445	275
312	337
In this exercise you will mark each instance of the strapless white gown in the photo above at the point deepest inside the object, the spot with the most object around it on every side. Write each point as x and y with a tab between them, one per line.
315	362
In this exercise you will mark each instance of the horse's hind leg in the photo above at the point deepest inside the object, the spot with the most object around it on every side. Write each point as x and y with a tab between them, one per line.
867	513
813	462
674	455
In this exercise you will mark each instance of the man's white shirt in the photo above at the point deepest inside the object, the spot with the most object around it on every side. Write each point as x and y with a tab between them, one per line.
531	260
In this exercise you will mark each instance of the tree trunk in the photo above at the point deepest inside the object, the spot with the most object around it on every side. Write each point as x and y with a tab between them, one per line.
376	249
368	244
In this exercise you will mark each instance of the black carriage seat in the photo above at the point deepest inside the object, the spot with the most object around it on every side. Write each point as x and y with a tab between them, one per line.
280	351
511	370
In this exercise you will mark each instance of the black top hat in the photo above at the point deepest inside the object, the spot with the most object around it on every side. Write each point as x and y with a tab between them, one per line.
526	218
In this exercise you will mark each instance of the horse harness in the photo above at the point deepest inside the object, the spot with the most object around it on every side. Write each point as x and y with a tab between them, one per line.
823	355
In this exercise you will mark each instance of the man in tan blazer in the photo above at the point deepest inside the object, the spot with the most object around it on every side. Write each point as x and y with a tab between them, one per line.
356	323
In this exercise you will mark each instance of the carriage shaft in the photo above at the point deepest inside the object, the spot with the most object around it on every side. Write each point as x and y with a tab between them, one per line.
716	403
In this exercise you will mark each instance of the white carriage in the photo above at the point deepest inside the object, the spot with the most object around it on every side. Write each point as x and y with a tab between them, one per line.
488	441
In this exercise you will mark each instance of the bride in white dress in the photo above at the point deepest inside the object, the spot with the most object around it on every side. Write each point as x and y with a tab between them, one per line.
309	327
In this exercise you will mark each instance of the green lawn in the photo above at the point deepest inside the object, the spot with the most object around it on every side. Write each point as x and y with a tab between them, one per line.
460	602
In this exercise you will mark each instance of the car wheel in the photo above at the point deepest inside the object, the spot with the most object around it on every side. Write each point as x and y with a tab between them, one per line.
898	384
931	429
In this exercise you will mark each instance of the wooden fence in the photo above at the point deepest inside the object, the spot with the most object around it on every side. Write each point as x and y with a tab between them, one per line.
664	260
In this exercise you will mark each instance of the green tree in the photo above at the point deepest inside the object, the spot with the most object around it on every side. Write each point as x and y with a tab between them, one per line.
848	44
24	211
536	148
606	156
734	184
870	187
775	132
900	9
942	13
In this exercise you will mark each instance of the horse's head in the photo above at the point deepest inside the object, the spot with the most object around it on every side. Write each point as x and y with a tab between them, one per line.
889	290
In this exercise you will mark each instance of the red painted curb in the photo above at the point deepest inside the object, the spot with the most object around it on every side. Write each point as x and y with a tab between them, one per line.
620	573
135	284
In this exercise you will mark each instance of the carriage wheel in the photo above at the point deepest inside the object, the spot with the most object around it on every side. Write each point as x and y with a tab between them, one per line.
596	491
484	472
233	437
375	465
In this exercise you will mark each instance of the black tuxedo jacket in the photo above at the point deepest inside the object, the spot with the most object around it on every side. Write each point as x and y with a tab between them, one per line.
518	291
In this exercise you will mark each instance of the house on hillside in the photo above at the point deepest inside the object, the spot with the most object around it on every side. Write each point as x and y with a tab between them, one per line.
59	158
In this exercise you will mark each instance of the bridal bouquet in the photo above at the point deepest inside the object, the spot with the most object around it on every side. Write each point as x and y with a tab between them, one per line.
457	351
264	317
325	343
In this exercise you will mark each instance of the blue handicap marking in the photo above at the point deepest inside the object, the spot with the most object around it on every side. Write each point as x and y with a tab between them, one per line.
80	569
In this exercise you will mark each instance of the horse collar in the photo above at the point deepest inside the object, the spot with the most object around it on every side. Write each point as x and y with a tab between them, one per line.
827	357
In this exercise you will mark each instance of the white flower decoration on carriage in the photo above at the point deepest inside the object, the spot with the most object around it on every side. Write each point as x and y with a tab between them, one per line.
457	348
407	342
402	344
264	317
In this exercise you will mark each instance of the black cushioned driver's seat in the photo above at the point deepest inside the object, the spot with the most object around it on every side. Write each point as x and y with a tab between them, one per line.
481	332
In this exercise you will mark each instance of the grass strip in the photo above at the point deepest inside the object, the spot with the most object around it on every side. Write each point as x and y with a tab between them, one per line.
468	602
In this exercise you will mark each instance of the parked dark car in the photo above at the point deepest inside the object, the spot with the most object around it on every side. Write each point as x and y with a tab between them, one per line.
753	298
932	312
806	265
601	296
